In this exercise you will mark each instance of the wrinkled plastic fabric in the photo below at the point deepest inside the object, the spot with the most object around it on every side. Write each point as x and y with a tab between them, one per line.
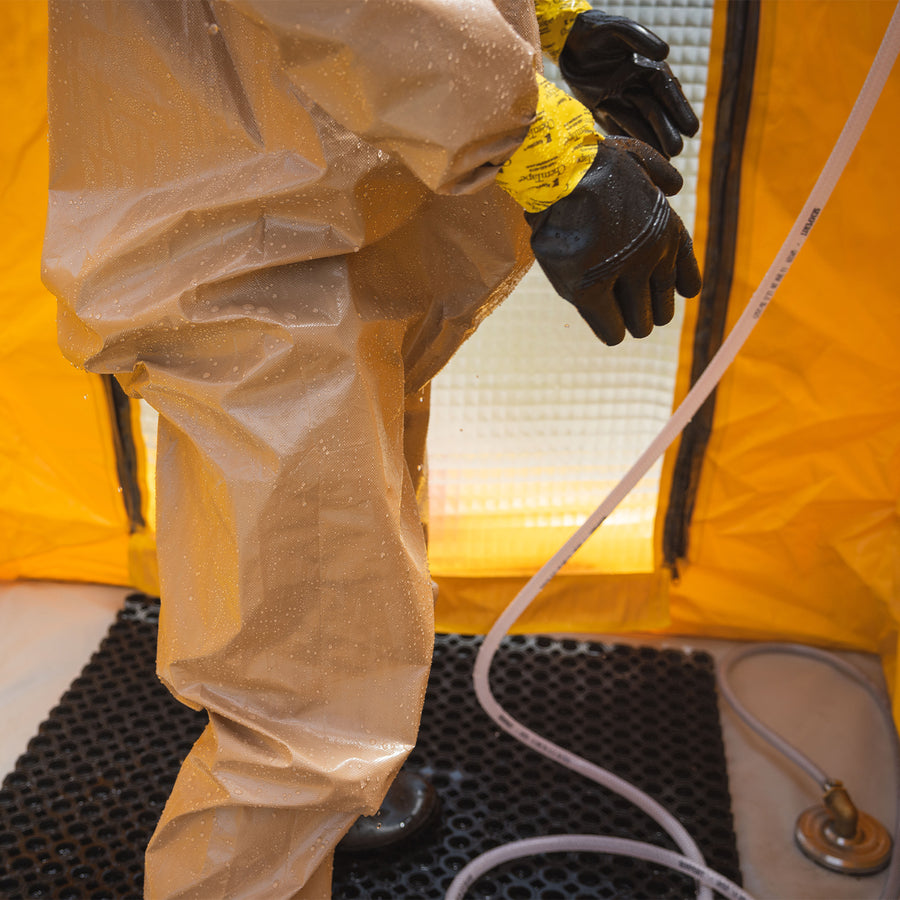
275	223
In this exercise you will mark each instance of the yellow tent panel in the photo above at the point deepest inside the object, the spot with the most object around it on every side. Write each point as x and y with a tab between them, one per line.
795	533
62	515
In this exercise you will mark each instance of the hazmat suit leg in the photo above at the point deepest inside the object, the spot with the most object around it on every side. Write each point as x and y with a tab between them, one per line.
270	227
297	603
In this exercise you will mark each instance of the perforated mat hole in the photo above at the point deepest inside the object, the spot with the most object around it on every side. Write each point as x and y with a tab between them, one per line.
459	841
36	845
19	822
485	888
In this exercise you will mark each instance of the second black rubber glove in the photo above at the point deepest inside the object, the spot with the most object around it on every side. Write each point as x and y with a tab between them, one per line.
616	68
614	247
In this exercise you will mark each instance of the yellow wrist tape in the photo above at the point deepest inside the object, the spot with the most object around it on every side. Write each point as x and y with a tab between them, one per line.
559	148
555	18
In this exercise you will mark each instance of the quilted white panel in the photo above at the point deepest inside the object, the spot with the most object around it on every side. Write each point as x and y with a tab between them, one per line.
533	421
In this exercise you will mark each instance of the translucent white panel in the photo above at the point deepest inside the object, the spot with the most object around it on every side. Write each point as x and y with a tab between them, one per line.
534	420
149	422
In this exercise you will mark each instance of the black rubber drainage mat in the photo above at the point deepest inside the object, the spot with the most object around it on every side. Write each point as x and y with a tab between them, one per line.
77	811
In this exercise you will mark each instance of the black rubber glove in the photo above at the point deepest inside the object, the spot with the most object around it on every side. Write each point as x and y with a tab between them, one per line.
614	247
616	68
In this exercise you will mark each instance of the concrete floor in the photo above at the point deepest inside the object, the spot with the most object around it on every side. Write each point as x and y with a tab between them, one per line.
48	632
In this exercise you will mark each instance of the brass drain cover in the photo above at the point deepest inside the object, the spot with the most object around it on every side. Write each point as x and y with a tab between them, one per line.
866	853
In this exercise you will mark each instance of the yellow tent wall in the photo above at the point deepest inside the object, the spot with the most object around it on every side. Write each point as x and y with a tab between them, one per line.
795	529
795	533
62	515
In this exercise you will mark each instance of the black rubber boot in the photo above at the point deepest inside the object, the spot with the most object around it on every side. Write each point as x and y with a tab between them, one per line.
410	806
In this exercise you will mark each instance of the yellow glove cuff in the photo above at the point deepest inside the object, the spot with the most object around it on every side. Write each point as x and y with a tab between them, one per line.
559	148
555	18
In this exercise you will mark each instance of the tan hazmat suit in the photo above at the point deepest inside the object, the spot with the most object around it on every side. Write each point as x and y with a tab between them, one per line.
275	222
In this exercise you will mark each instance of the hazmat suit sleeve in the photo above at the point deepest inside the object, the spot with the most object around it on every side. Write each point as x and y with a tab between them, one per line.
448	87
223	138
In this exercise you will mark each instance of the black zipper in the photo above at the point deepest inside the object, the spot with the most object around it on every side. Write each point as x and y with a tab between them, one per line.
126	452
732	115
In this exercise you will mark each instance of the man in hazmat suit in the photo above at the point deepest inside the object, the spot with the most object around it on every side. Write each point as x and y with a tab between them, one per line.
275	222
